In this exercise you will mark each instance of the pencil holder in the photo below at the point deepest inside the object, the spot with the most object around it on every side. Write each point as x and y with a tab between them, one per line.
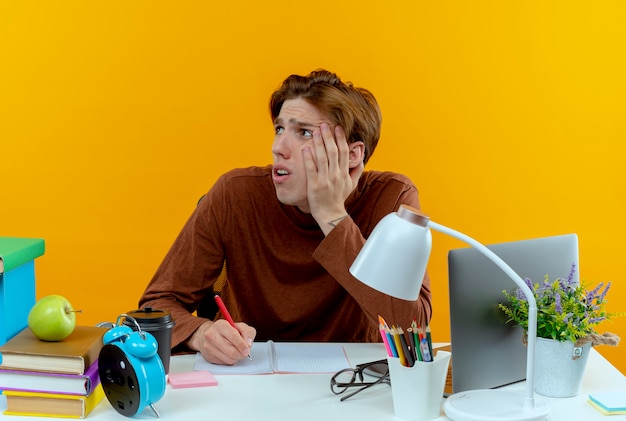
418	391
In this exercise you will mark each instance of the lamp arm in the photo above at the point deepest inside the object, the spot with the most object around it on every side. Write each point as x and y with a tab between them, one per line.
532	304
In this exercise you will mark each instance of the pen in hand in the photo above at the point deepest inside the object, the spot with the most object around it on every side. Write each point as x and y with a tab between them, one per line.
226	315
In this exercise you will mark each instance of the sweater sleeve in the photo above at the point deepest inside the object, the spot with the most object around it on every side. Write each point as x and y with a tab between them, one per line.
340	248
189	269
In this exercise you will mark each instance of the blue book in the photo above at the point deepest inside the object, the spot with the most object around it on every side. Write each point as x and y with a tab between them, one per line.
17	283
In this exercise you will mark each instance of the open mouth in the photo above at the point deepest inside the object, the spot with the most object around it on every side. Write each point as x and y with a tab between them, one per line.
280	175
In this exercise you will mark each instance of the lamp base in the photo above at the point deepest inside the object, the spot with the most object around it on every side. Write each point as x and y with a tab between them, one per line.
492	405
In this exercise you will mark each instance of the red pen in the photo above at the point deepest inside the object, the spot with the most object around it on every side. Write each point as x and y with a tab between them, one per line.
226	314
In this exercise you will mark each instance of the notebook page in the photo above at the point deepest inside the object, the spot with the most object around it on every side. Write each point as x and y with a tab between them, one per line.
285	358
309	357
261	362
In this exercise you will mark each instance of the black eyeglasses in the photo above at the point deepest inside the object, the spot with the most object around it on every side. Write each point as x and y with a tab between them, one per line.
351	378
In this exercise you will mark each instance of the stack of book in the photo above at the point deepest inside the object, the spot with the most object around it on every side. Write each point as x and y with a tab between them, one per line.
52	379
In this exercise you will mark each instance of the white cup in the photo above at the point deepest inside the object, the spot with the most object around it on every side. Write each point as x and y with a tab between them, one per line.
418	391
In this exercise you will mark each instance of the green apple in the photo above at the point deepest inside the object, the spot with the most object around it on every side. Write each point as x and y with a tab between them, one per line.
52	318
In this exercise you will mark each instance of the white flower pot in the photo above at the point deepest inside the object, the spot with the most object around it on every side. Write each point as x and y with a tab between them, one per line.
559	367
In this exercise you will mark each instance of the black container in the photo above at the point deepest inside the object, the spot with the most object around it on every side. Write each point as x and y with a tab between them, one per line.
159	323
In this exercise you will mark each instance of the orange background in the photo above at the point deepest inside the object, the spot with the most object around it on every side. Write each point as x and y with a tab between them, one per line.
116	116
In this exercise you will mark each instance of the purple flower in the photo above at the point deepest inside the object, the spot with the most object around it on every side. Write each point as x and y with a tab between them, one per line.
603	295
529	283
557	304
520	295
570	277
595	320
591	295
544	289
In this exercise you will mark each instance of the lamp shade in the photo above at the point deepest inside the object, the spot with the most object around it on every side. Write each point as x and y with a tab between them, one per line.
395	256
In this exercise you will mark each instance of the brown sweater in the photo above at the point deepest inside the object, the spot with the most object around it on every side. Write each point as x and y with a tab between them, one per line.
284	277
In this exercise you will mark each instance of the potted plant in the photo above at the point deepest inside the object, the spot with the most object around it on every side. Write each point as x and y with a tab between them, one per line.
567	316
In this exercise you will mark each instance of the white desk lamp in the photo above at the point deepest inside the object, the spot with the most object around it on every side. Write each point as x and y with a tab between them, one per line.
393	261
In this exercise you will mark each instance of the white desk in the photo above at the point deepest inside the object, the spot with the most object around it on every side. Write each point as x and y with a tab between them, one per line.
308	396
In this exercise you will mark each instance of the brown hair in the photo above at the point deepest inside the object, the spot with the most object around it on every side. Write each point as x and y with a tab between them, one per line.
354	109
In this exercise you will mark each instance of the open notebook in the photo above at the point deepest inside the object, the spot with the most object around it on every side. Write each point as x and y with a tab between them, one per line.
283	357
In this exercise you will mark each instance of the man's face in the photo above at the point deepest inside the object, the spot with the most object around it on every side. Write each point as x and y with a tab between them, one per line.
294	129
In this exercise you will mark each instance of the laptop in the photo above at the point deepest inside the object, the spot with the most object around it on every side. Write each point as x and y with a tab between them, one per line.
487	352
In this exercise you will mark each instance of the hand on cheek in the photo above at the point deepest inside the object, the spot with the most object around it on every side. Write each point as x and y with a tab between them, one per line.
329	179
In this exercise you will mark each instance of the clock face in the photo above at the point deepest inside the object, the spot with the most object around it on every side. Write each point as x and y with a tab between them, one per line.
119	380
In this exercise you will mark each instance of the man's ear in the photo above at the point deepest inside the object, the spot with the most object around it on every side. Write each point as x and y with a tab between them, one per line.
356	154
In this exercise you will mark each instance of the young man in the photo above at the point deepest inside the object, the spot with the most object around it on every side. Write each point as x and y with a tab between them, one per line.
287	233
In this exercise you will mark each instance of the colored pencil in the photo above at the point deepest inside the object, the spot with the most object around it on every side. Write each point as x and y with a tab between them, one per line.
383	335
405	349
392	346
396	339
429	339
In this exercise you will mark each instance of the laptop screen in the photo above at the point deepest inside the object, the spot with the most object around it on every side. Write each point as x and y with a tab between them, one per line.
486	351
